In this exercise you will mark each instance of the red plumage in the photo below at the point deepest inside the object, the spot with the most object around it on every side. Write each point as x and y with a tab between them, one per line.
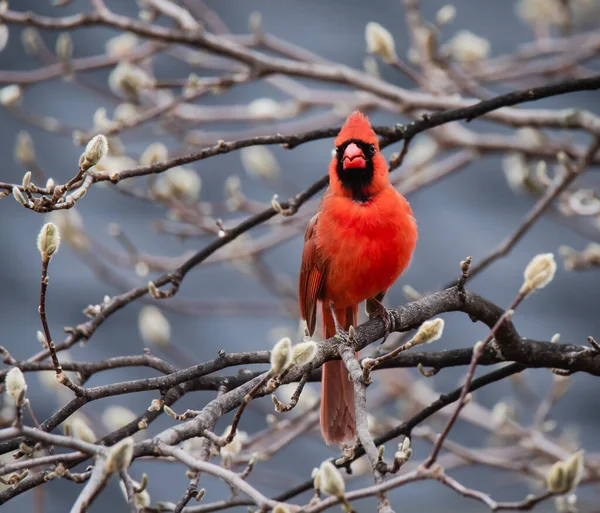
356	246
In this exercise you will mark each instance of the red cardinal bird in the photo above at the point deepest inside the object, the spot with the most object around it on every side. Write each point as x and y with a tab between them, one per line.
355	247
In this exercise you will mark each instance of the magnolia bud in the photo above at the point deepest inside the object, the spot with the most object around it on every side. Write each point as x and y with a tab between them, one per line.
26	180
115	417
94	151
281	356
19	196
156	152
446	15
467	47
3	36
48	241
154	327
129	80
11	95
141	499
260	162
303	353
16	386
121	46
429	331
264	108
331	481
119	456
281	508
24	151
180	183
539	272
380	41
573	470
64	48
31	40
80	429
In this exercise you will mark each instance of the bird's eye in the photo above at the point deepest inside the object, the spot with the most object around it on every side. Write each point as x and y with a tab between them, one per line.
372	149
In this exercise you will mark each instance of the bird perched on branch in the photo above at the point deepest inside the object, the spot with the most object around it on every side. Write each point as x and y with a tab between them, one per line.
358	243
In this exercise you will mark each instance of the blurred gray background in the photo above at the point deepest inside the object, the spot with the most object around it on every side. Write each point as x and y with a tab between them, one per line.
467	214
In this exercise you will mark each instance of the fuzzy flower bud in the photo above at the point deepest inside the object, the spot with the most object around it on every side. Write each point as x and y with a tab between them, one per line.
281	356
260	162
129	80
115	417
380	41
153	326
48	241
264	108
3	36
81	429
303	353
121	46
234	447
467	47
445	15
180	183
539	272
19	196
16	386
429	331
156	152
11	95
564	476
331	481
94	151
64	48
281	508
24	151
31	40
120	455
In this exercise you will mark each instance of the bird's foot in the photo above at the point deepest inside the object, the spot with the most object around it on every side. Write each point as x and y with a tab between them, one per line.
346	337
384	314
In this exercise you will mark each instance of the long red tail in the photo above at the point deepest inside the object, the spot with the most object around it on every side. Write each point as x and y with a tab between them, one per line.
337	391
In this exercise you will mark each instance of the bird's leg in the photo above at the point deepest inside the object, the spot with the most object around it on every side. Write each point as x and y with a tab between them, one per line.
376	309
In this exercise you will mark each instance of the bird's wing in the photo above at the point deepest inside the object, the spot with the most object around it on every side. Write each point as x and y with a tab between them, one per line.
312	276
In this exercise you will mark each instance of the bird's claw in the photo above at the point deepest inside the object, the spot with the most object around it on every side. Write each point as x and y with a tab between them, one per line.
385	315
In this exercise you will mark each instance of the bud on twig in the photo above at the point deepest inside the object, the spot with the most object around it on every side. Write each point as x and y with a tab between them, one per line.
16	386
260	162
24	151
380	41
94	151
154	327
48	241
428	332
445	15
155	152
331	481
81	429
538	273
303	353
64	49
11	95
120	455
281	356
564	476
115	417
19	196
141	497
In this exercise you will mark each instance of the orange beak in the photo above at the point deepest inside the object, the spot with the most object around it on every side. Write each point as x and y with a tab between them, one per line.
353	157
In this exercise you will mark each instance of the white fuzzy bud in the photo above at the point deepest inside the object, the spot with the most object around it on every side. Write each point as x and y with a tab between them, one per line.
260	162
64	48
94	151
115	417
331	481
264	108
154	327
517	171
119	456
26	181
129	80
234	447
281	356
48	241
32	41
16	386
380	41
281	508
121	46
11	95
467	47
429	331
81	429
24	150
71	228
539	272
3	37
564	476
180	183
445	15
303	353
19	196
156	152
125	112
